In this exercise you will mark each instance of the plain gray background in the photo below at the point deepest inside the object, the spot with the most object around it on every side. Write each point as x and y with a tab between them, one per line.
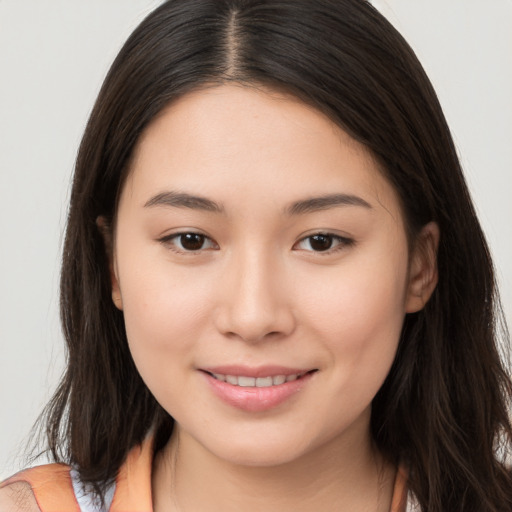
53	57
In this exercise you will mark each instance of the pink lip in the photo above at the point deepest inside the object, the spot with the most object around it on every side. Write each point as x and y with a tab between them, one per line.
254	399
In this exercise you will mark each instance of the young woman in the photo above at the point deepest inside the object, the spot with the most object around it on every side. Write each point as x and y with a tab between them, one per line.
275	291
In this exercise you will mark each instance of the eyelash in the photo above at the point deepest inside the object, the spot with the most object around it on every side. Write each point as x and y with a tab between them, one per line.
342	243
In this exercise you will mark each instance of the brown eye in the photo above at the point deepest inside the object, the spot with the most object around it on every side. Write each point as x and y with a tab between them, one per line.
191	241
324	242
320	242
188	242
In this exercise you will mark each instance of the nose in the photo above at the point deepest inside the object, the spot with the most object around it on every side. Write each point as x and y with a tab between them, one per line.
255	301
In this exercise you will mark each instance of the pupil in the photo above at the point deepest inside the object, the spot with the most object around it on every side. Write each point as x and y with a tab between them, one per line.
321	242
192	241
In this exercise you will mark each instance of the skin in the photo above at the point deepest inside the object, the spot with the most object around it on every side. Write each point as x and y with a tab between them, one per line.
258	293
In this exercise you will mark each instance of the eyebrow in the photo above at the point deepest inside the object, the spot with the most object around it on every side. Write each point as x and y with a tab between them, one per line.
184	200
315	204
310	205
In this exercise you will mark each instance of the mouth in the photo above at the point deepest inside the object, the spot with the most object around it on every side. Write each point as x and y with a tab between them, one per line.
246	381
257	390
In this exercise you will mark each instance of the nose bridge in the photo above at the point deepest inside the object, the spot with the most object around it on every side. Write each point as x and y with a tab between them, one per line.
256	303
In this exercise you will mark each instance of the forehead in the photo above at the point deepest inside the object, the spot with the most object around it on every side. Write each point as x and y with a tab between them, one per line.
259	143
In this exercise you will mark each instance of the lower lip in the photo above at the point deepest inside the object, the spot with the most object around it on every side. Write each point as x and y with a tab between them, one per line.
254	399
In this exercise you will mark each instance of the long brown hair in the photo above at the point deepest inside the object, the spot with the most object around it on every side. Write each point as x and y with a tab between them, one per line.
444	408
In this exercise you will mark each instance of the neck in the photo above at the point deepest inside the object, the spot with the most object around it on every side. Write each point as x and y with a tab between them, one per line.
341	475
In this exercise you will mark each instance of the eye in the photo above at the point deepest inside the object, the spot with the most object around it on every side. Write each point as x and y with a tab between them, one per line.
324	242
188	242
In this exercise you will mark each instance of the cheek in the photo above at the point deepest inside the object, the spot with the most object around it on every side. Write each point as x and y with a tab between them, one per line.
365	294
359	314
164	309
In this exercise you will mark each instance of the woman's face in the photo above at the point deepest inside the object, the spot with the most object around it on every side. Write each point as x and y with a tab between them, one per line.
261	263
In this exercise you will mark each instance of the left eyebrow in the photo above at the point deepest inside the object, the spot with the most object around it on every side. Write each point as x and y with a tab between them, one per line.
315	204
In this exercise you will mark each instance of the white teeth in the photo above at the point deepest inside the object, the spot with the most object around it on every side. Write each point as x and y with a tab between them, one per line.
246	382
260	382
278	379
232	380
263	382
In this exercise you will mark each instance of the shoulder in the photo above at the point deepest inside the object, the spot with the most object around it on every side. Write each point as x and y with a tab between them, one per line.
41	489
18	497
58	487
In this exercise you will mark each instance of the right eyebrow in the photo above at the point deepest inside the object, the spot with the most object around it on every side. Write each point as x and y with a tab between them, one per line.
183	200
325	202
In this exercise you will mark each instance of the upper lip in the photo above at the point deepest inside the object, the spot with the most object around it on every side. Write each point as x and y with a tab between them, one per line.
256	371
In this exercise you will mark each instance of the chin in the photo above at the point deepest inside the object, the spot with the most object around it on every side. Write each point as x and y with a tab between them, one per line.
260	456
266	448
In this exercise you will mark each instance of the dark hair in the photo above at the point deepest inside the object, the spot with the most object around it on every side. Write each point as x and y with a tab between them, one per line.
443	410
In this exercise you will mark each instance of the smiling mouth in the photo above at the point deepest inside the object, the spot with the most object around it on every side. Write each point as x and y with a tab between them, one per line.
256	390
258	382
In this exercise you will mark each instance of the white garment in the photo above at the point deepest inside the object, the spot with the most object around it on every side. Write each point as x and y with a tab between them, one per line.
412	504
86	497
